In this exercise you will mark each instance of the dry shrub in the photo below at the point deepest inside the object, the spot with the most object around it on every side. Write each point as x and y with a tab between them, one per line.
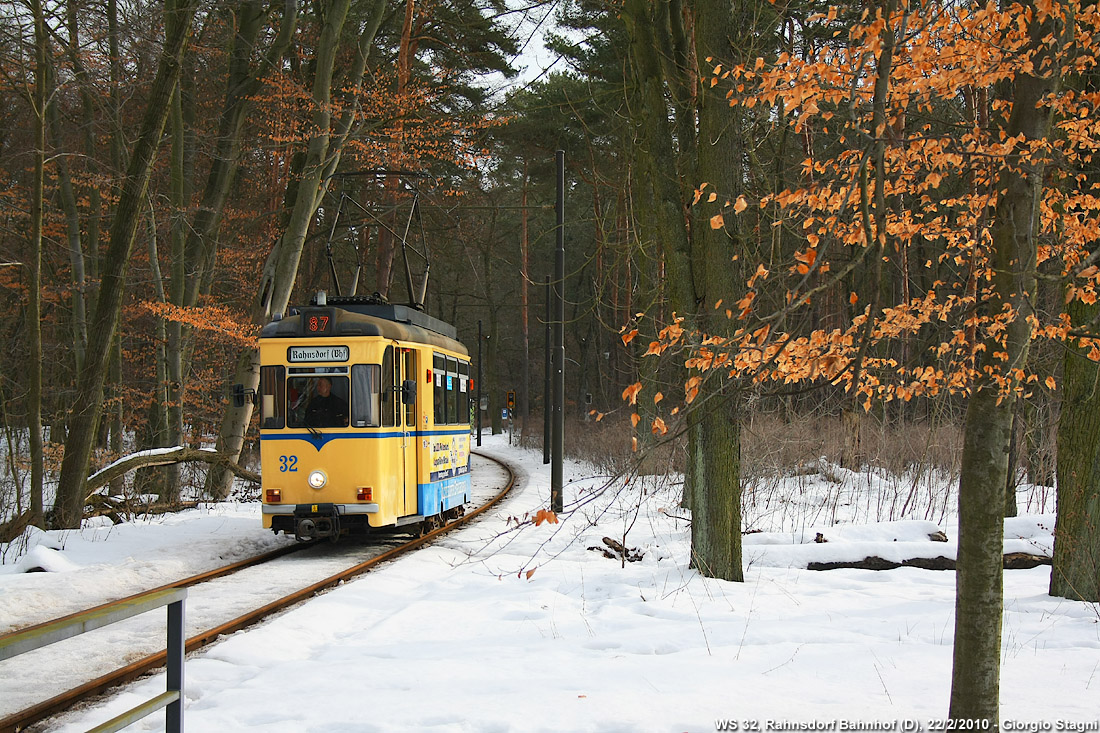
605	444
775	445
772	444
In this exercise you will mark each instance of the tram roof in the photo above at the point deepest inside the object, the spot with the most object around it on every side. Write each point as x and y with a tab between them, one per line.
359	318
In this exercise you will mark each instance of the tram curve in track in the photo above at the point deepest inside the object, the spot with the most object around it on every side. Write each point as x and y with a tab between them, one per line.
59	703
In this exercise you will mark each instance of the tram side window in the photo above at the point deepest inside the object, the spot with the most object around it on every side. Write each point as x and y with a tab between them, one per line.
366	403
439	372
389	404
409	372
453	415
272	397
317	401
464	392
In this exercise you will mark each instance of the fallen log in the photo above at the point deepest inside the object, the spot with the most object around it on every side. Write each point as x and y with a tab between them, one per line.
1012	561
121	509
619	551
162	458
14	527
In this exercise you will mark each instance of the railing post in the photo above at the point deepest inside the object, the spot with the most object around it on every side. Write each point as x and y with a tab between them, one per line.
176	652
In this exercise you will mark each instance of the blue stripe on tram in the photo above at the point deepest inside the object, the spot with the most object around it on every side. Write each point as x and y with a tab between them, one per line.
318	441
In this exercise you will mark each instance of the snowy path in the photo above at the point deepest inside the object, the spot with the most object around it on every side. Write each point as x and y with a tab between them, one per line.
44	596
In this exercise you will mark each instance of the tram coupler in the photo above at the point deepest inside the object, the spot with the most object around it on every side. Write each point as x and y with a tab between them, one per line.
316	521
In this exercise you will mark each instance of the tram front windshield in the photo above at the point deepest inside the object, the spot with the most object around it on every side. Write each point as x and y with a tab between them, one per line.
321	399
317	401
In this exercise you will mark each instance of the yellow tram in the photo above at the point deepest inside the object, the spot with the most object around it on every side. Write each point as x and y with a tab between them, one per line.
364	418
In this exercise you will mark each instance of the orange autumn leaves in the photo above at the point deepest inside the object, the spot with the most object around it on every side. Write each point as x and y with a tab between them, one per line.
718	220
944	151
216	320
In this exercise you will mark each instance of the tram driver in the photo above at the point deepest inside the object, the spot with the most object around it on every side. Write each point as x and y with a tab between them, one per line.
326	410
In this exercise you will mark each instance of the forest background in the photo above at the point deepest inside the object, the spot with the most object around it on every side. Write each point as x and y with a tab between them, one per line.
874	221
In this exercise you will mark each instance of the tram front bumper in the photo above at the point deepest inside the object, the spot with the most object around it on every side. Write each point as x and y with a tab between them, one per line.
313	521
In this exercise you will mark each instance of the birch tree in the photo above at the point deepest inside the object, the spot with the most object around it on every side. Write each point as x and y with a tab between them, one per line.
329	133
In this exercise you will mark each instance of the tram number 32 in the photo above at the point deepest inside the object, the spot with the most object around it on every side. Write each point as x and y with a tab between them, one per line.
288	464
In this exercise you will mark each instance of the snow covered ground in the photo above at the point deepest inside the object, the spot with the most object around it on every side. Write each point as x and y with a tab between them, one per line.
510	627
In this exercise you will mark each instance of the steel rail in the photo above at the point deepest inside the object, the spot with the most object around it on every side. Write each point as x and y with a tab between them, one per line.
19	721
181	583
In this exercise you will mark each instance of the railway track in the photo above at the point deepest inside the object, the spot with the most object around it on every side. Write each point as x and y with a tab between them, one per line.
228	577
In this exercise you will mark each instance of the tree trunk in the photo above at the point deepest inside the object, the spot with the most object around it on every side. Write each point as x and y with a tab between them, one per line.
1013	459
491	372
281	269
700	145
114	425
1076	569
524	316
34	267
244	81
194	254
716	500
975	678
660	216
851	456
651	288
716	513
88	401
1037	420
660	221
157	430
174	340
83	252
975	674
77	278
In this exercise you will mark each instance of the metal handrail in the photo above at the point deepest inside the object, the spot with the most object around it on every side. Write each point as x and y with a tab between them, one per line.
20	642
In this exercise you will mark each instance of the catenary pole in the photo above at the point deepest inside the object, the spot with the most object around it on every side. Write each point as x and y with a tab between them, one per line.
548	389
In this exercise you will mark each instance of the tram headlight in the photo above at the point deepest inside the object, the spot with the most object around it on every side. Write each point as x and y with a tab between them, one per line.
317	479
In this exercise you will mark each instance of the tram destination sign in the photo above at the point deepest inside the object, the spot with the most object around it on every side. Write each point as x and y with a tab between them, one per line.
300	354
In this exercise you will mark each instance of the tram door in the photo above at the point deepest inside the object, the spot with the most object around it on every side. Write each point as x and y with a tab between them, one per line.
406	363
